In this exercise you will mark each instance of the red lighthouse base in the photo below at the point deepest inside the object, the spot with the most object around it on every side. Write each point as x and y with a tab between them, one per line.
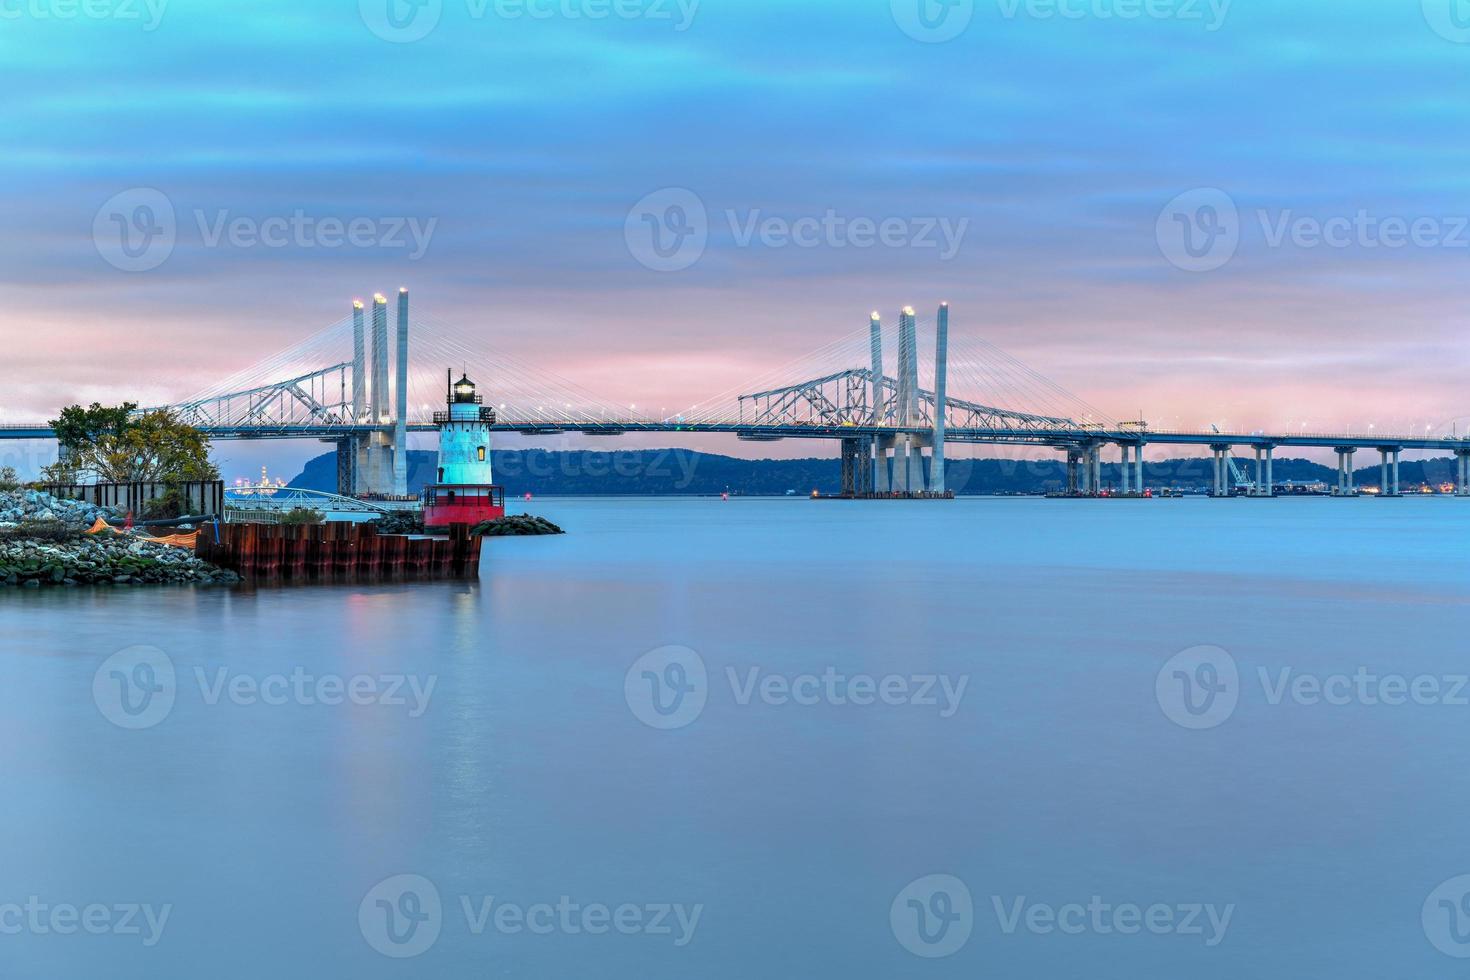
445	505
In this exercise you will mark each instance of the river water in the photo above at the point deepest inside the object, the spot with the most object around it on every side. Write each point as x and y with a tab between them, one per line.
785	738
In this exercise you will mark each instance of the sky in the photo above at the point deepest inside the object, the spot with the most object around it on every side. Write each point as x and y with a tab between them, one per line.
1254	214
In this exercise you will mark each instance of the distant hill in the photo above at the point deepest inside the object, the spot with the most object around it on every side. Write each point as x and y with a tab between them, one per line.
682	471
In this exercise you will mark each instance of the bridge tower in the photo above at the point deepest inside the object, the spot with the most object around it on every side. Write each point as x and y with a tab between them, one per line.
376	463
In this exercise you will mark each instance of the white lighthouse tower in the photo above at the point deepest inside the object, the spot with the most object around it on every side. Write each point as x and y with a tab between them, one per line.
464	490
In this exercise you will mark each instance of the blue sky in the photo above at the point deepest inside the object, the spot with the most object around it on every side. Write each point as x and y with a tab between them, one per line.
1050	140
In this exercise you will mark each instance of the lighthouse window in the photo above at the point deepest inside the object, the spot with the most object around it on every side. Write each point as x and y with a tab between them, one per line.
482	454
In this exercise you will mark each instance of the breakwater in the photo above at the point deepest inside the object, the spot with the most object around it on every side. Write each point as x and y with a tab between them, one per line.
332	551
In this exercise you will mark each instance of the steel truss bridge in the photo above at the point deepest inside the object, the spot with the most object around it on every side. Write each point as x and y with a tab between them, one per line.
866	391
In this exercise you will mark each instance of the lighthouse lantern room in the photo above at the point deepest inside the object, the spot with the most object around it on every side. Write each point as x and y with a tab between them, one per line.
464	491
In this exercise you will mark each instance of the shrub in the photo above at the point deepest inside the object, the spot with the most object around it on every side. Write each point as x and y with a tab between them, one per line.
302	515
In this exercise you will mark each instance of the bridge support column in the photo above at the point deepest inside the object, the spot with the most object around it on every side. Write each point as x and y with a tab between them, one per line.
880	464
1397	487
1095	458
347	459
1222	486
916	466
1123	480
1345	482
1138	467
1256	490
1462	481
1074	482
857	473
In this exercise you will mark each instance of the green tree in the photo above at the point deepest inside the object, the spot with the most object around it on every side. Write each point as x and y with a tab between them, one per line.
118	445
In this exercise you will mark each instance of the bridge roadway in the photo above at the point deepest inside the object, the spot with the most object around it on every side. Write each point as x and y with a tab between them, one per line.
1058	438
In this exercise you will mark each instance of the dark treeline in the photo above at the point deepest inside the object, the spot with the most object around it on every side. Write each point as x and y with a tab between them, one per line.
673	471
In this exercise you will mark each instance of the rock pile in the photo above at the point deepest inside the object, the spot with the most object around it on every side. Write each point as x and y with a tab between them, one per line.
515	524
103	560
41	543
18	506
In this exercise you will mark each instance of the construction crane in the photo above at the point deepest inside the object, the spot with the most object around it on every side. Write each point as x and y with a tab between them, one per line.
1240	481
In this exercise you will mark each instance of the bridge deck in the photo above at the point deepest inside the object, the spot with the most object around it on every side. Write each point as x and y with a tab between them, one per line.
1058	438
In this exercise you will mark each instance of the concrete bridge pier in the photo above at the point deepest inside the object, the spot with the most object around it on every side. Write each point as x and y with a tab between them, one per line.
1462	483
881	482
1388	469
1345	484
1094	457
1222	486
916	479
1124	479
1138	467
1265	472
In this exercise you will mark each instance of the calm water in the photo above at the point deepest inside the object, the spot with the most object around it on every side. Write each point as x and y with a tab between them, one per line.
512	751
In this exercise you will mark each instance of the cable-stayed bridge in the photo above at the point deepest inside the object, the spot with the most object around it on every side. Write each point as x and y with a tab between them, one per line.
893	397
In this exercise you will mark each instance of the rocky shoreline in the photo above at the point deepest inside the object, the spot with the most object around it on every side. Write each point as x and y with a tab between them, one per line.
43	542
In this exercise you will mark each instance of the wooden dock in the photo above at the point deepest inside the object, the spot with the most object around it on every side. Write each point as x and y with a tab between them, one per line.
337	551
